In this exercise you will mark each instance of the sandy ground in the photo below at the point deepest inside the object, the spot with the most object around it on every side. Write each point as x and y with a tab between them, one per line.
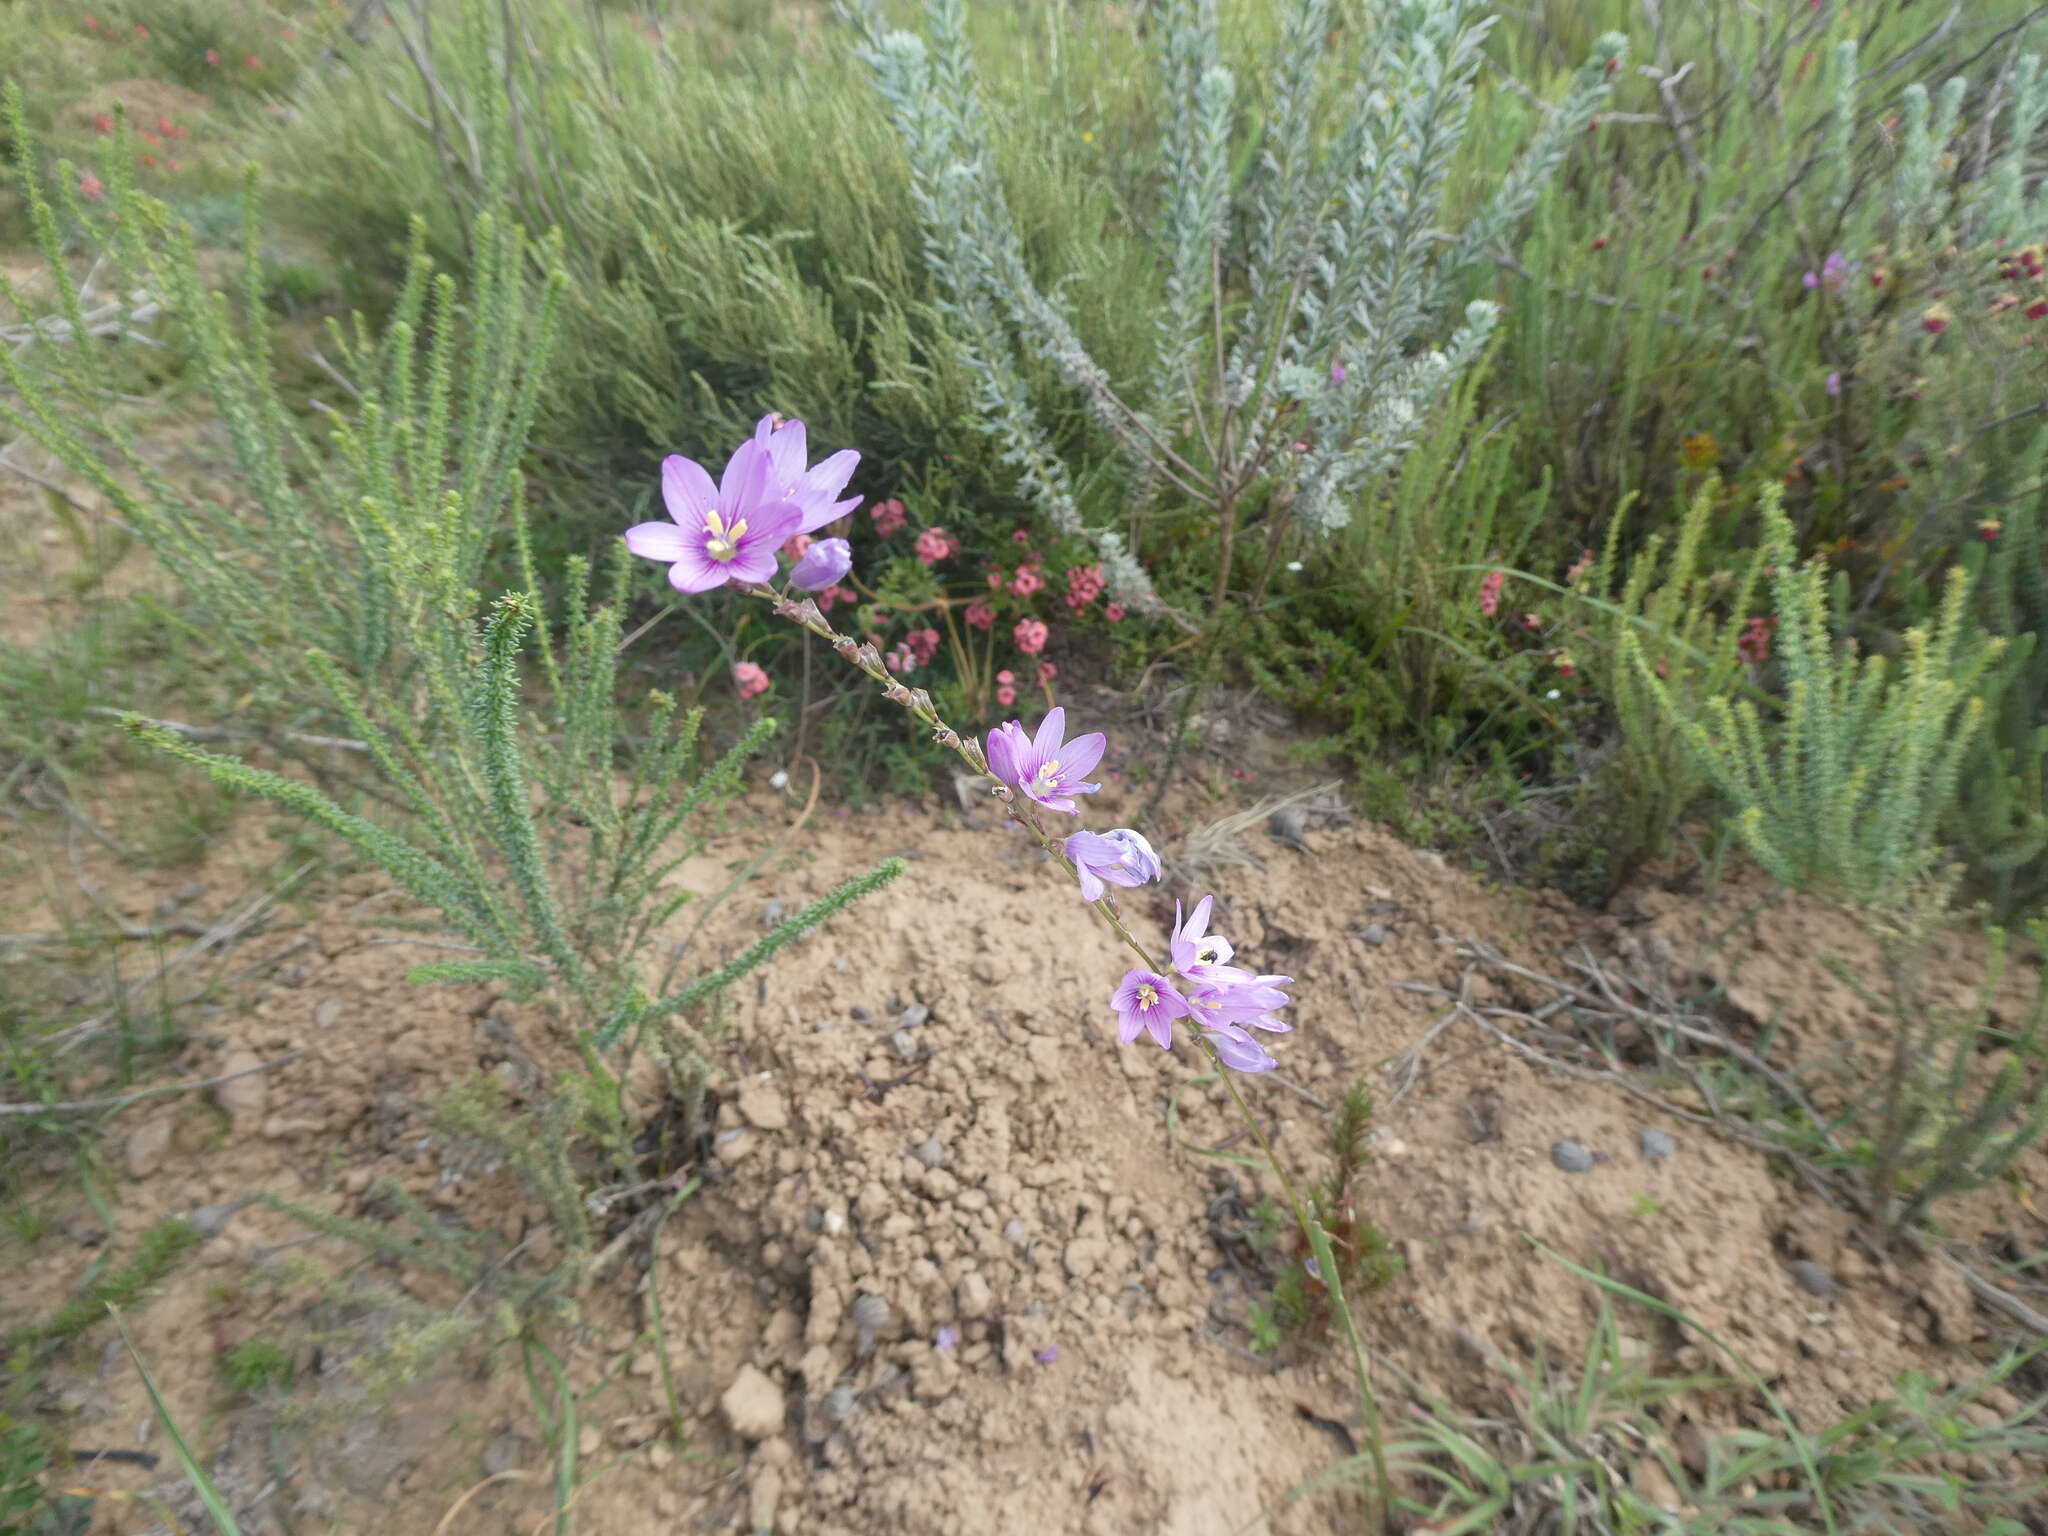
923	1104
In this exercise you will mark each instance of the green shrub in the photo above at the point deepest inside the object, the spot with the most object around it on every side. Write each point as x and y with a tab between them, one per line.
1846	791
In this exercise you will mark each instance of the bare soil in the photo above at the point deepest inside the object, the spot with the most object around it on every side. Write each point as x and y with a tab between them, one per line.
924	1103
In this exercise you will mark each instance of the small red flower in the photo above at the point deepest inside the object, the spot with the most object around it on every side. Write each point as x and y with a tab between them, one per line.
141	30
1114	612
252	61
1047	672
213	57
1599	242
2038	310
1030	635
980	616
103	125
1989	529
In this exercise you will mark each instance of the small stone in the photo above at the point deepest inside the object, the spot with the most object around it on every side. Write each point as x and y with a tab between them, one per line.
1657	1145
1286	825
905	1043
764	1498
763	1107
1015	1232
972	1296
913	1016
1813	1279
328	1014
589	1441
870	1316
753	1405
771	913
1571	1157
246	1098
146	1146
507	1450
932	1153
207	1220
659	1456
1373	934
1084	1256
839	1403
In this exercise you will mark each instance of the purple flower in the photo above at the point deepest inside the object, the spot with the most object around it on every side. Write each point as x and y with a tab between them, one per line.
1195	950
1833	274
947	1338
1336	374
1226	999
1834	384
727	532
816	490
1146	1003
824	565
1244	1055
1046	768
1047	1355
1121	857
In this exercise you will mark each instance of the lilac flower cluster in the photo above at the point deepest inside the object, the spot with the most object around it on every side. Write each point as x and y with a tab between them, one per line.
730	531
771	498
1223	1001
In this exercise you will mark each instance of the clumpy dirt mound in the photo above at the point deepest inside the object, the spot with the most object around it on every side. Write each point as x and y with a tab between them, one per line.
960	1263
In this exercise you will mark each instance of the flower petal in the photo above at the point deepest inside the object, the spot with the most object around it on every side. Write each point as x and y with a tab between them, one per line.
771	525
657	541
745	478
1052	732
786	447
753	562
1001	751
827	478
1081	754
687	490
697	572
820	513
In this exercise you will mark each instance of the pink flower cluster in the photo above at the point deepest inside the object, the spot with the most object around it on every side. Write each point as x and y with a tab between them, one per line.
935	544
916	649
749	679
889	517
1489	592
1084	585
1031	635
980	615
1027	581
1754	643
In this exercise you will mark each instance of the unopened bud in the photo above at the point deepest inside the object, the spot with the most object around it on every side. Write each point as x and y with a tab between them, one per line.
807	614
868	657
921	701
947	737
896	693
848	647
